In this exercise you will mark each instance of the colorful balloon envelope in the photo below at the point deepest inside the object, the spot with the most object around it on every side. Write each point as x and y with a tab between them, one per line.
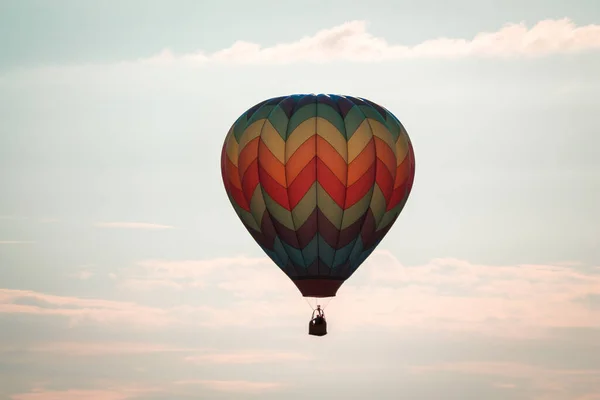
318	181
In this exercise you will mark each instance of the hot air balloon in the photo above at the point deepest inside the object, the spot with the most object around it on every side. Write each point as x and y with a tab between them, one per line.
318	181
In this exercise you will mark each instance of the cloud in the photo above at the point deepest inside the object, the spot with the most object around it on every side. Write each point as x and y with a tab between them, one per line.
110	392
80	309
590	396
82	275
235	386
444	294
237	275
457	305
352	42
100	311
16	242
505	369
86	349
195	355
503	385
548	383
132	225
247	357
569	263
79	394
458	295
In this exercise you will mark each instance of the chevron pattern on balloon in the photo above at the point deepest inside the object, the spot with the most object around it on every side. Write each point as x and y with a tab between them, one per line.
318	180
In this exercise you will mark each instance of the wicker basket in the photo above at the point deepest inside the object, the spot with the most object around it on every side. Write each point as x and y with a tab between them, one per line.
317	329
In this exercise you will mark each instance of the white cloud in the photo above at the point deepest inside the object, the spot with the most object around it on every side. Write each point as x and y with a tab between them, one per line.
245	313
132	225
196	268
237	275
351	41
82	275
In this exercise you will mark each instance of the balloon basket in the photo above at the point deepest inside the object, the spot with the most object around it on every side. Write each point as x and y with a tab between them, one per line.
317	329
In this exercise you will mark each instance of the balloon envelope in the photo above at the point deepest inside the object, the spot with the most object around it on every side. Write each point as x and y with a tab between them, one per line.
318	180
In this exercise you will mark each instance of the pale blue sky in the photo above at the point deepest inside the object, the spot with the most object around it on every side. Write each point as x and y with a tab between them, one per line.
486	287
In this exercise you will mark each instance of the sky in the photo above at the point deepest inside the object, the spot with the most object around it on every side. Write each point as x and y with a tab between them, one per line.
125	273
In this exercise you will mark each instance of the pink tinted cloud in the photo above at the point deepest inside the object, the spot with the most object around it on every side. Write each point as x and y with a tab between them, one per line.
248	357
78	309
442	294
100	311
193	355
104	348
539	294
589	396
504	385
73	394
118	393
549	383
446	294
235	386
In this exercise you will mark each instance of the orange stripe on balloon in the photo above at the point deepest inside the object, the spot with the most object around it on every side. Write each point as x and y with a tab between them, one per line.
271	164
361	164
247	156
302	156
403	171
275	191
334	161
404	180
233	175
